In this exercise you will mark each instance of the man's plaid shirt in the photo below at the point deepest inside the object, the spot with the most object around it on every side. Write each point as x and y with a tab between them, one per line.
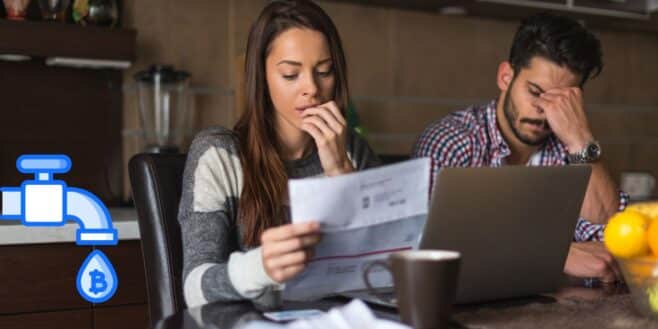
471	138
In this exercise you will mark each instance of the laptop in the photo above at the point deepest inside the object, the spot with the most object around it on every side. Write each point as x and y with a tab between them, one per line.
513	226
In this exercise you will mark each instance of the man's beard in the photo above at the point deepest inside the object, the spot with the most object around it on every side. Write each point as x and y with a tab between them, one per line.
511	115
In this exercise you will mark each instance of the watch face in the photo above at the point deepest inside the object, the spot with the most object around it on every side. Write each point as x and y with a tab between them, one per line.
593	151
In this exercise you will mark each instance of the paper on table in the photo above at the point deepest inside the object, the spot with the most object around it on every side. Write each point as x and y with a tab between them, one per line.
364	216
355	315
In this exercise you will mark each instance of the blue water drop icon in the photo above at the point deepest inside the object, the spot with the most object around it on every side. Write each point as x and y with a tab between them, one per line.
97	281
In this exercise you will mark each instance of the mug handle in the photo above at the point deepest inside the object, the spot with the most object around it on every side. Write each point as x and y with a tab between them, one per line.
366	276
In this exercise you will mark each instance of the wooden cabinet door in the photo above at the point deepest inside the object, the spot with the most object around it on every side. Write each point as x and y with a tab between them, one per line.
77	319
40	277
124	317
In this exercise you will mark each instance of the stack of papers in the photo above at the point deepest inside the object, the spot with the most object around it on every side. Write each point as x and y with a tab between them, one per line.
355	315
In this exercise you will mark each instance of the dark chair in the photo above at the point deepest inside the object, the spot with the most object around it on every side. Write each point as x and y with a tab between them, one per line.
156	181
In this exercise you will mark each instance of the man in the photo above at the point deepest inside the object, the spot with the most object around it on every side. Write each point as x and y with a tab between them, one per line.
539	119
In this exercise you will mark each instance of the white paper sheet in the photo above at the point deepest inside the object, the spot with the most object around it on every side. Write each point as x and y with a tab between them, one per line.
364	216
355	315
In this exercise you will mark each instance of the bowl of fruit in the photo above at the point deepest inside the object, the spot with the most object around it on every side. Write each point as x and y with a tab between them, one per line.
631	237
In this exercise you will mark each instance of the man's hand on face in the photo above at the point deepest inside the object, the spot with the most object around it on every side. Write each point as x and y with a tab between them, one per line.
565	114
591	260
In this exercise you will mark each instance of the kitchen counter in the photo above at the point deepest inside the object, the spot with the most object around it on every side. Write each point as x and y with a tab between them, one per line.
12	232
39	274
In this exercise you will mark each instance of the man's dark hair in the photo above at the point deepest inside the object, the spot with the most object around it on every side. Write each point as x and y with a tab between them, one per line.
559	39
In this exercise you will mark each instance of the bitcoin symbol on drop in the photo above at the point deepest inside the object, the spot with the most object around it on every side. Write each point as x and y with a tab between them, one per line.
98	283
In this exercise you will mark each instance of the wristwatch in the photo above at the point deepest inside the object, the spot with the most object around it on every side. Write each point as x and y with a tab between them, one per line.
590	153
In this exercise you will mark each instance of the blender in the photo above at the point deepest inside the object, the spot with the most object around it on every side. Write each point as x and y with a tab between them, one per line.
163	107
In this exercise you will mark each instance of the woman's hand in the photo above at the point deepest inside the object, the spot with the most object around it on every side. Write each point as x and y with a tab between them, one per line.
286	249
328	128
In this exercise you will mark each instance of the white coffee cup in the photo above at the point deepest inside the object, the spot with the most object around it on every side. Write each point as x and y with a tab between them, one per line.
638	185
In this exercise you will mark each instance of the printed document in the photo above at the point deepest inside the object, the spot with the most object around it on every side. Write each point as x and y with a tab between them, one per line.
364	216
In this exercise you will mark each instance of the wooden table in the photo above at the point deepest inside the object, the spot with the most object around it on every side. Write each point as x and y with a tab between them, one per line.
571	307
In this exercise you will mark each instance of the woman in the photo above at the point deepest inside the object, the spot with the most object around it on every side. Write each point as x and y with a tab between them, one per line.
238	242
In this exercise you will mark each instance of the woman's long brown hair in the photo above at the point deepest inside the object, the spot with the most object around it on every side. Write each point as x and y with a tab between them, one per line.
265	179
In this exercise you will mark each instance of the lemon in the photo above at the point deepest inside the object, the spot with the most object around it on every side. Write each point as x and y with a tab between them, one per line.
653	298
640	269
652	236
625	236
648	208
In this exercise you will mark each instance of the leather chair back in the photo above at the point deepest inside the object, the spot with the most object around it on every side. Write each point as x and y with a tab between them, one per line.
156	181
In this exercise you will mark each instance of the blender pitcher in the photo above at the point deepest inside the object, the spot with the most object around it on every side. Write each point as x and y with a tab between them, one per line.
162	94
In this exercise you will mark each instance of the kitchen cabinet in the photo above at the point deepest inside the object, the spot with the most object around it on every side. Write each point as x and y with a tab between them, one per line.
628	6
38	271
626	15
633	9
39	291
75	319
44	40
49	108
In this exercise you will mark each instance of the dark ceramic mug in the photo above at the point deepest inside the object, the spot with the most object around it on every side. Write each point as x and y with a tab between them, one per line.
425	285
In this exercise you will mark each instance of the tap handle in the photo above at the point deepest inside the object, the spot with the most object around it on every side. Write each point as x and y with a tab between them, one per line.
43	165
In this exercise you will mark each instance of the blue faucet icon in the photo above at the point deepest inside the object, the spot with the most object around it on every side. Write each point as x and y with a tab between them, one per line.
45	201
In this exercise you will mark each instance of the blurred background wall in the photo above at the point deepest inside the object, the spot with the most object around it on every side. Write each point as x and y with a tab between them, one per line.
406	69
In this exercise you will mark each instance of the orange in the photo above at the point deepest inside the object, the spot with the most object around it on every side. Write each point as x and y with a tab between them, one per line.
652	236
625	235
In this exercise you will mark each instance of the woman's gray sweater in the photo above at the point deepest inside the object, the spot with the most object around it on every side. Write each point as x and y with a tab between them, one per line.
216	265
